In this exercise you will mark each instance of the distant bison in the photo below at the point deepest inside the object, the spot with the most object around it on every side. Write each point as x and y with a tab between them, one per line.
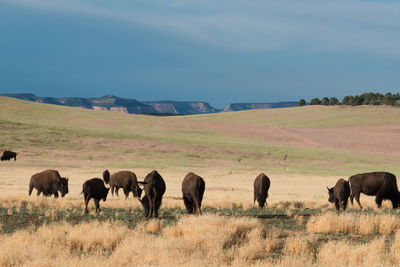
49	182
8	155
94	188
193	187
383	185
126	180
261	187
339	194
154	187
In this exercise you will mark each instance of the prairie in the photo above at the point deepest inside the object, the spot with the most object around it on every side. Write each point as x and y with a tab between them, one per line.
302	150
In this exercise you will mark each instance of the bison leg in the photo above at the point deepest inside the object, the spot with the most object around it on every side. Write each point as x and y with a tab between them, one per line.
351	198
344	204
358	200
378	199
38	192
337	206
126	192
97	204
116	191
395	204
112	190
86	203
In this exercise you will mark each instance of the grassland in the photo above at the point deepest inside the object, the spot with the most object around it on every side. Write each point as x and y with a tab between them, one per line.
302	150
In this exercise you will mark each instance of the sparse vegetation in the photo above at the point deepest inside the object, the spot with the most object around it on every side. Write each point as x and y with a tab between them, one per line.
297	228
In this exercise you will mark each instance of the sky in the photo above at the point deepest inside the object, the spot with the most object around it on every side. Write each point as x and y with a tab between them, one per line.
218	51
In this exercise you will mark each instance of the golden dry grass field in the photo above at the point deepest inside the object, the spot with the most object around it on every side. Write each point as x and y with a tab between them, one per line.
302	150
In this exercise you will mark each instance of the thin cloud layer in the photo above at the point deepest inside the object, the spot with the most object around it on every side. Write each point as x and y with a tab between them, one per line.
256	26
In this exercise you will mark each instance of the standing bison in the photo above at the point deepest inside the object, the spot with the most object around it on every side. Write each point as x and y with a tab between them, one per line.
193	187
94	188
8	155
48	182
154	188
339	194
261	186
383	185
126	180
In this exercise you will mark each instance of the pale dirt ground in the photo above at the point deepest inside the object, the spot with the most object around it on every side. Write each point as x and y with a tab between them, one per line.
223	187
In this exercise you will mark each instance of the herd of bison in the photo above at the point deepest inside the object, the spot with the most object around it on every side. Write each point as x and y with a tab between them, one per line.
383	185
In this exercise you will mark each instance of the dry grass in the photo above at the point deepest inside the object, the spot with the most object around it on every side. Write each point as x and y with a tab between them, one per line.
330	222
207	240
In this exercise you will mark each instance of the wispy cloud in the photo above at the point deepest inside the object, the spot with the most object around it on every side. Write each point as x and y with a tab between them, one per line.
316	25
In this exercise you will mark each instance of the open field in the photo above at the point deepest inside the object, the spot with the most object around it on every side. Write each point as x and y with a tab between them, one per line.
302	150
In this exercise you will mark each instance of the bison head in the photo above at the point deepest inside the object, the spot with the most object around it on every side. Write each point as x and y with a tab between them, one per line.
137	191
106	176
105	195
63	183
331	196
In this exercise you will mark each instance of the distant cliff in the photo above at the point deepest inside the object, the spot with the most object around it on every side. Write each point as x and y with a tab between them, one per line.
132	106
118	104
247	106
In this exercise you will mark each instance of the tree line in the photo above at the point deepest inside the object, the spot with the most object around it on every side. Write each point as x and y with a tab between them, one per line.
363	99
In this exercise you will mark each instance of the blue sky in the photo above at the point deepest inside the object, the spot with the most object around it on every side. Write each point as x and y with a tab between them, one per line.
220	51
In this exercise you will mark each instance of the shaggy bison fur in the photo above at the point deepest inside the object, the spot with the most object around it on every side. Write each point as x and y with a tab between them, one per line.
193	187
261	187
339	194
49	182
94	188
383	185
126	180
8	155
154	187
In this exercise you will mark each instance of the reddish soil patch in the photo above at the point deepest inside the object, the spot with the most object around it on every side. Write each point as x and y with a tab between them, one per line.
384	139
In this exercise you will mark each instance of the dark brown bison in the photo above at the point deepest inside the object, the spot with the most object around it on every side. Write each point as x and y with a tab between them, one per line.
339	194
126	180
154	188
8	155
94	188
383	185
193	187
261	186
49	182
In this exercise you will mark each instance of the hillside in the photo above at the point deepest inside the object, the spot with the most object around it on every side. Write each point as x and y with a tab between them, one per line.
311	140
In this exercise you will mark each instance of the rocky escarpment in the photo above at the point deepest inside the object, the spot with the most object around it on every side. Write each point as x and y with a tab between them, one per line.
126	105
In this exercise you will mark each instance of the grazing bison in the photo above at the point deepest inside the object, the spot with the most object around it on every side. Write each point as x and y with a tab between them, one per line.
193	187
126	180
8	155
94	188
383	185
261	186
339	194
154	187
49	182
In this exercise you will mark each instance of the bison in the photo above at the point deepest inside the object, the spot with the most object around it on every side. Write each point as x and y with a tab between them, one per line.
261	186
126	180
94	188
154	188
339	194
193	187
383	185
49	182
8	155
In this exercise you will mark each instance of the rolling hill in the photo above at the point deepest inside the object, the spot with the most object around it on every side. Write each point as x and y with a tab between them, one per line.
312	140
